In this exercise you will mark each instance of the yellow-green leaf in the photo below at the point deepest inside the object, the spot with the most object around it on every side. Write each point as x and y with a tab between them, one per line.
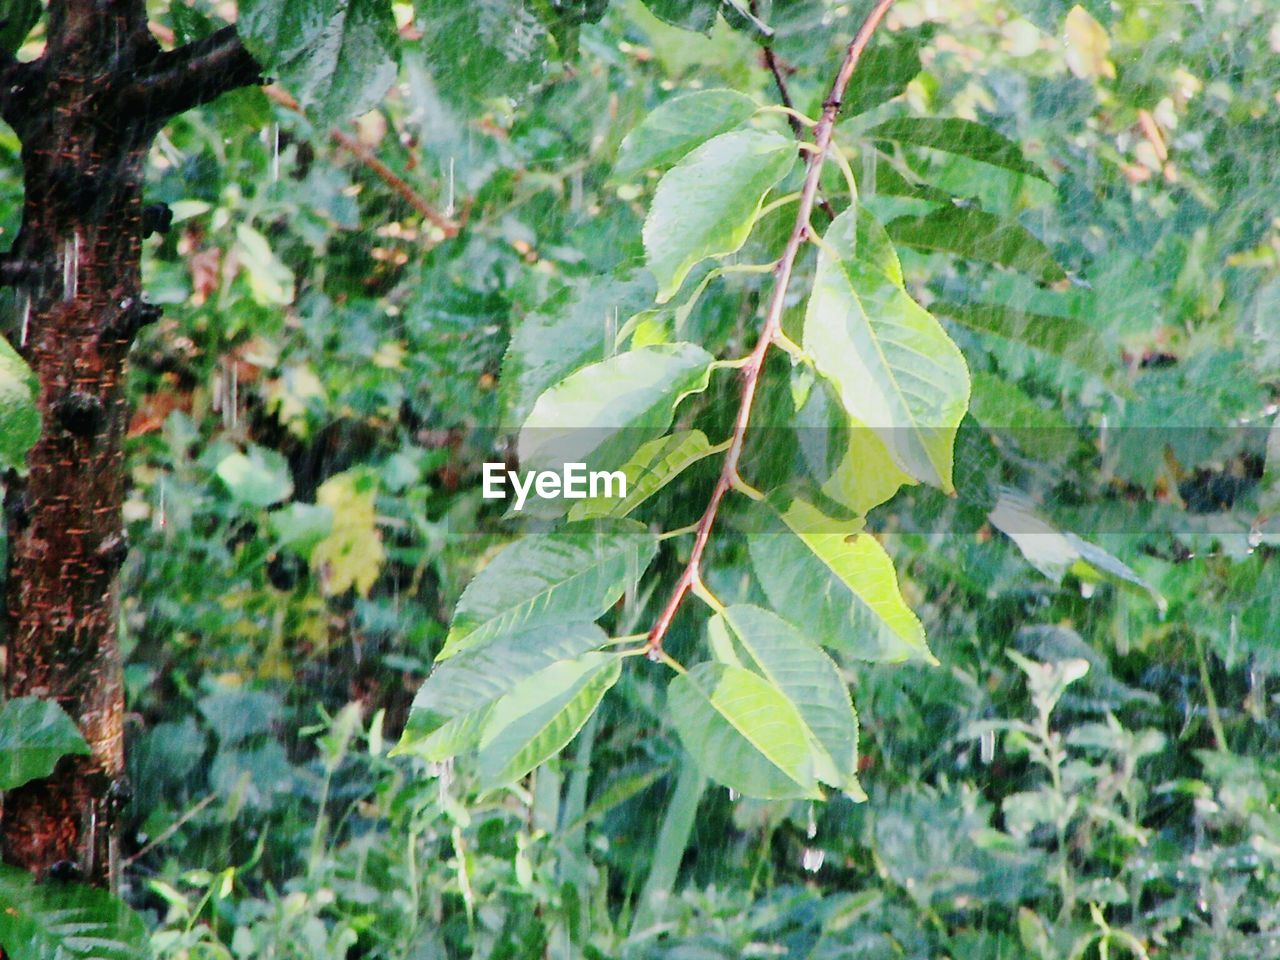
352	554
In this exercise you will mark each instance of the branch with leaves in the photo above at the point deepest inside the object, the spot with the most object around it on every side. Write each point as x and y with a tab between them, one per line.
802	231
769	713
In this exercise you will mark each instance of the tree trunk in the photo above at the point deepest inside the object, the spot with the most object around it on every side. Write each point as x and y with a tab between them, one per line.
86	113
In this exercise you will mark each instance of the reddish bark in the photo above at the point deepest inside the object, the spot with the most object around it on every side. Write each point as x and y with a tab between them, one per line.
86	112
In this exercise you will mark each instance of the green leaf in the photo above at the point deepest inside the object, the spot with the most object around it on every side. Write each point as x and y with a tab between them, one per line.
963	137
34	735
808	678
883	72
570	576
189	23
893	365
1039	430
706	205
836	583
1070	338
1055	553
602	414
742	731
300	526
269	279
475	679
19	17
338	57
478	49
19	417
698	15
851	463
541	715
654	465
62	921
977	235
739	15
678	125
573	327
259	478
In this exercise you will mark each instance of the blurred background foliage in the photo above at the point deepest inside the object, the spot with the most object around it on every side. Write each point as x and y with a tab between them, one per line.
1090	772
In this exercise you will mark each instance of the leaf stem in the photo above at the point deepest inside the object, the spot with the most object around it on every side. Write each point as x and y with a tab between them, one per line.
842	161
789	346
1210	698
774	204
801	118
800	232
677	532
629	638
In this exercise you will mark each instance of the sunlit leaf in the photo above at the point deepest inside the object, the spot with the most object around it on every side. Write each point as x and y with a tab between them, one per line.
706	205
806	676
893	365
1087	46
475	679
742	731
678	125
270	280
851	463
603	413
654	465
543	713
837	584
1055	553
352	554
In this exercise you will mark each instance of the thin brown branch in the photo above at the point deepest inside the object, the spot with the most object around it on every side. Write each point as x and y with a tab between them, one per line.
774	66
388	176
692	573
191	75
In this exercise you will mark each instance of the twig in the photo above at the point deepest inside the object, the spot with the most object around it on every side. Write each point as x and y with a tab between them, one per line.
395	182
168	832
377	167
692	574
780	81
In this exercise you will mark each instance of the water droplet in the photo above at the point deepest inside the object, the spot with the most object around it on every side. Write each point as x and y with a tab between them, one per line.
1087	589
733	794
812	859
987	746
162	515
811	830
24	311
71	267
449	197
275	152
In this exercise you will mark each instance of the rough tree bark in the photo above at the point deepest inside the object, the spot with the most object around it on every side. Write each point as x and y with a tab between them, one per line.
86	112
